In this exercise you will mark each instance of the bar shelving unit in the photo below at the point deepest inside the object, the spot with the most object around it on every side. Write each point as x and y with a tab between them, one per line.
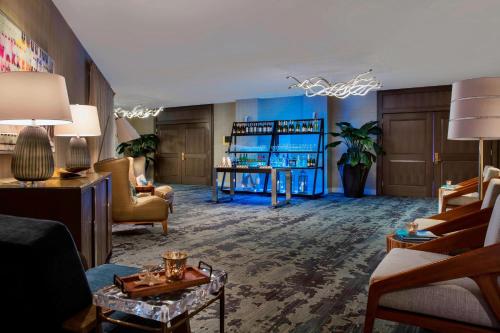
274	131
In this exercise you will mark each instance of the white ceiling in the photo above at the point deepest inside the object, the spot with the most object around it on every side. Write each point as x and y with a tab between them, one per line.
187	52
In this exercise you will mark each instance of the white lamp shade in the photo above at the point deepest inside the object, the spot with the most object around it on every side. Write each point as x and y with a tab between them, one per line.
125	131
85	122
28	96
475	109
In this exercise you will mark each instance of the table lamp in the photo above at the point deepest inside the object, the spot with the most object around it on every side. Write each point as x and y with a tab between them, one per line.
85	124
33	99
475	114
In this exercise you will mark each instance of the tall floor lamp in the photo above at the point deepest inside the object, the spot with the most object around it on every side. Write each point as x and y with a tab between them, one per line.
124	131
475	114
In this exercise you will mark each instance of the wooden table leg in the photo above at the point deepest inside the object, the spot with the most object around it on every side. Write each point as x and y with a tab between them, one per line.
215	188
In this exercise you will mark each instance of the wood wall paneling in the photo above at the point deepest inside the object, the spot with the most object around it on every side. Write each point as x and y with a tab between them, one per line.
419	156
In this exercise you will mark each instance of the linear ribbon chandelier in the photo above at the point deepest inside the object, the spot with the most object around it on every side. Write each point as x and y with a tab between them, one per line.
138	111
318	86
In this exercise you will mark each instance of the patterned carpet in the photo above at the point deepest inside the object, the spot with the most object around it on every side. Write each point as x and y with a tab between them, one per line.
300	268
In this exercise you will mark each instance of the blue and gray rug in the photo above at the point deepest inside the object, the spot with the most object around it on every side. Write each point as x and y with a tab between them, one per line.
300	268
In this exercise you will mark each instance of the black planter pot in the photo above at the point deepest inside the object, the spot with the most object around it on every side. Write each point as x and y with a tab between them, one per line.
354	179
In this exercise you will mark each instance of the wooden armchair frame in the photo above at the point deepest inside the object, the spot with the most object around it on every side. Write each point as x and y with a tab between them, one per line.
472	181
464	220
462	190
482	264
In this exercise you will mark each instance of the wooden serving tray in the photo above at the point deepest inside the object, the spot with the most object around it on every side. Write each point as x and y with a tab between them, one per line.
192	277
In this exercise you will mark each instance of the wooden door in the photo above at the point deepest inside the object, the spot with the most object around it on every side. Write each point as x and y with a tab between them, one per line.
454	160
169	157
407	165
184	154
196	154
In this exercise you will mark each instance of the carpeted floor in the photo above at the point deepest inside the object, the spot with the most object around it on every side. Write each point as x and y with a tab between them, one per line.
300	268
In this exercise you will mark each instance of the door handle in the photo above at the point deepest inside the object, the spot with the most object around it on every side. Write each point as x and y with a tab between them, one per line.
437	158
183	158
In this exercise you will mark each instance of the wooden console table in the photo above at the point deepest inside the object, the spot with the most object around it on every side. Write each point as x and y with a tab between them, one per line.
82	204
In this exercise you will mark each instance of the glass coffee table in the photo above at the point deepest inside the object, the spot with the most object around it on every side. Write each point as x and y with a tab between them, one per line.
171	311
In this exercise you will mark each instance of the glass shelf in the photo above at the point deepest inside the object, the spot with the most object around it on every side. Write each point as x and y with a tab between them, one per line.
297	152
254	134
296	133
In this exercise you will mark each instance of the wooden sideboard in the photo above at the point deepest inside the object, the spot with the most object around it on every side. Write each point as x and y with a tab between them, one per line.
82	204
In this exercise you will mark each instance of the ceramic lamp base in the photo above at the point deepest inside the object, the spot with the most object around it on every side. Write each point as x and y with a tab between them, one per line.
78	156
32	159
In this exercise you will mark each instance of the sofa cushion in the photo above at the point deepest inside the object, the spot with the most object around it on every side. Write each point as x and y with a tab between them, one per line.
493	232
45	275
491	194
464	199
458	299
102	276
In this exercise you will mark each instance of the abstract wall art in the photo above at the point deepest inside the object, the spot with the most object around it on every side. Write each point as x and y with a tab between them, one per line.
18	52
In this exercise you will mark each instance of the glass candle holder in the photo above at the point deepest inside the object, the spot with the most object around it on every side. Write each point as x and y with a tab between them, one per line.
175	264
412	228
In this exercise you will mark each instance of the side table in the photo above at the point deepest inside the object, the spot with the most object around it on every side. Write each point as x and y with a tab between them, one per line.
171	311
393	243
145	189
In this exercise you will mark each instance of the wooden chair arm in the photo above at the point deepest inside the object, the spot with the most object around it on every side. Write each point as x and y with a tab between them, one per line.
459	211
471	238
460	191
457	193
464	221
473	264
472	181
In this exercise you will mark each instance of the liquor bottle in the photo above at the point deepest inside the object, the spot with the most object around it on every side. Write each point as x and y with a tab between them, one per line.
286	160
297	127
316	126
308	160
304	128
291	127
286	129
310	126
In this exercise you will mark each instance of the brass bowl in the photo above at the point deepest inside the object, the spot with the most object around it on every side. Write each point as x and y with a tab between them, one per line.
175	264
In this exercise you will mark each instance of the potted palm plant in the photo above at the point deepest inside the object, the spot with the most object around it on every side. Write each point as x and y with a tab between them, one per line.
356	161
144	146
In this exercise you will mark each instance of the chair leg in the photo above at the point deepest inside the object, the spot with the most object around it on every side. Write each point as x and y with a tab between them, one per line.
371	310
164	224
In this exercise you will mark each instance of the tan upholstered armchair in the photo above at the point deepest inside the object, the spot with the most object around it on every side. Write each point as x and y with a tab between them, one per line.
137	169
490	197
466	191
126	207
427	286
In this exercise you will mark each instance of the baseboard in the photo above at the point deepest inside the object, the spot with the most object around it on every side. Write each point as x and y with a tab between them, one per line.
368	191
